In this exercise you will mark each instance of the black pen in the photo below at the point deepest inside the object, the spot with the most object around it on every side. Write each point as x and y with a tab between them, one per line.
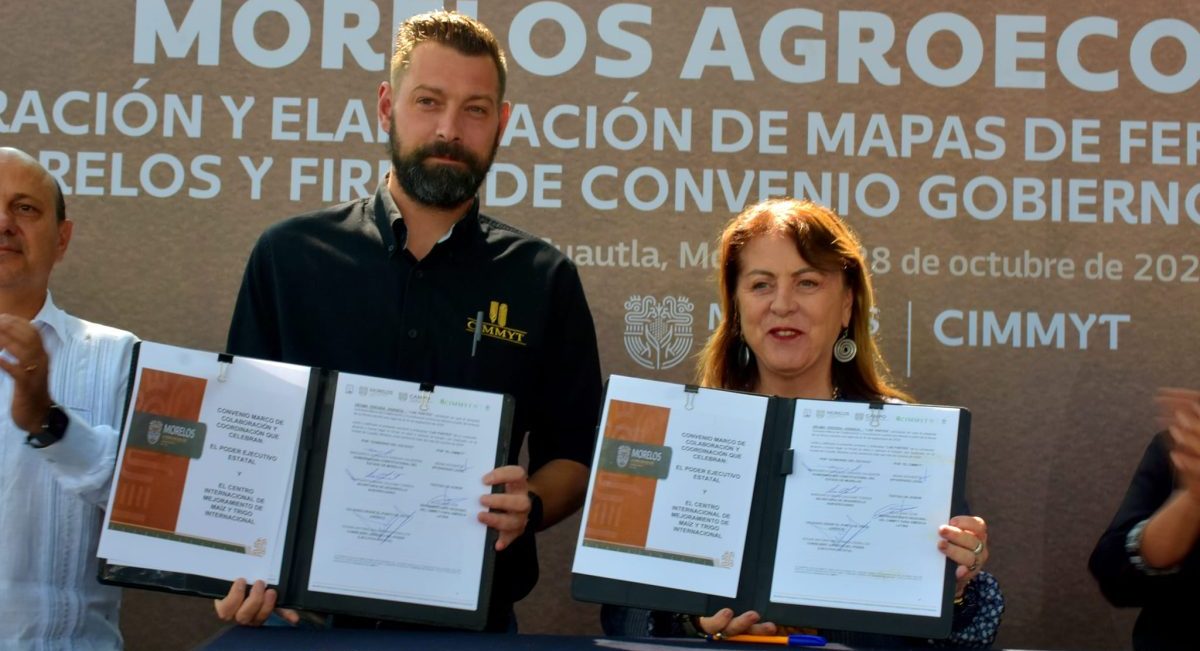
478	331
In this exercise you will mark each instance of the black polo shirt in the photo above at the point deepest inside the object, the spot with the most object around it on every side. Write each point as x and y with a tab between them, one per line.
337	289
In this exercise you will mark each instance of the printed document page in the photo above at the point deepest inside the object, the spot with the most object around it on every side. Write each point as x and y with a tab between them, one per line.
403	479
870	488
672	482
206	465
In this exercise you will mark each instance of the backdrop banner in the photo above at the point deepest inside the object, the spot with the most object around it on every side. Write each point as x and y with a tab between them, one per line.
1023	176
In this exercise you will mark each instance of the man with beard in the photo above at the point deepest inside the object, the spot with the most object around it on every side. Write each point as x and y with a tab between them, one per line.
392	286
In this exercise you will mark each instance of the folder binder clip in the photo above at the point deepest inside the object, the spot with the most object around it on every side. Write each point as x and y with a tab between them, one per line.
787	462
689	400
875	413
224	360
426	394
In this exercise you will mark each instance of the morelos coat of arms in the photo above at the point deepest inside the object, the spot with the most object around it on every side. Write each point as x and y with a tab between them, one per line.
623	453
658	335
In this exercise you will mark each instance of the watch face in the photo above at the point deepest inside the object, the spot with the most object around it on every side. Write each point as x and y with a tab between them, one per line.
56	424
52	430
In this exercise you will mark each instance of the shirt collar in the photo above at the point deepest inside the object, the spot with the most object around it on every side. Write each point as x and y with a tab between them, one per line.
51	319
395	234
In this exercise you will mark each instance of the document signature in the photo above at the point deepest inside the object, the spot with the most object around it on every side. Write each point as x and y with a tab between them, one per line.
372	453
456	467
385	526
444	500
843	535
381	475
825	470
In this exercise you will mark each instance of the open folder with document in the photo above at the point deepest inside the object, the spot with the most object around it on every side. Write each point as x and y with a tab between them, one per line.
812	512
348	493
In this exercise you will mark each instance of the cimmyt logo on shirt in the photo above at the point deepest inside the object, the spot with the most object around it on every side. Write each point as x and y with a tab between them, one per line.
495	325
658	334
498	313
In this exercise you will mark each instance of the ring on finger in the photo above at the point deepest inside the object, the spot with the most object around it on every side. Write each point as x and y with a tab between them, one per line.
978	548
974	565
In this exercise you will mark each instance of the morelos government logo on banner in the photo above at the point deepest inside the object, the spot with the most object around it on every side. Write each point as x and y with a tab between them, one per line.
658	335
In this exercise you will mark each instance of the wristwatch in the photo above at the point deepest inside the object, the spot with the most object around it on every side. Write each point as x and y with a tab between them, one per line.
53	428
534	523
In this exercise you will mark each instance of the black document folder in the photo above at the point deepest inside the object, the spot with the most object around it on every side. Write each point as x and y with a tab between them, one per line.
215	447
814	513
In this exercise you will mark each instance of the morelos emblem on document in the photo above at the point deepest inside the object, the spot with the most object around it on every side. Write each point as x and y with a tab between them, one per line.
154	432
623	453
259	549
658	335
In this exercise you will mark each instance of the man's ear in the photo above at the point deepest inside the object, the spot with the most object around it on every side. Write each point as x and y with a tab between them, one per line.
385	106
505	114
65	228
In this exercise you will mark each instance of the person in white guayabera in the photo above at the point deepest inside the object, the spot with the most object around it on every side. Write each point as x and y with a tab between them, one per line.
62	391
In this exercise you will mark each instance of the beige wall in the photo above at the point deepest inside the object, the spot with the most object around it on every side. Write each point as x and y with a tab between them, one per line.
1057	428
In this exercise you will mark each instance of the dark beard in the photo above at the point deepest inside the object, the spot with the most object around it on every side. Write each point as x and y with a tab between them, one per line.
438	185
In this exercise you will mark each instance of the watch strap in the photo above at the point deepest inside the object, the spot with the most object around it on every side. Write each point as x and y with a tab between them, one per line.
52	430
536	514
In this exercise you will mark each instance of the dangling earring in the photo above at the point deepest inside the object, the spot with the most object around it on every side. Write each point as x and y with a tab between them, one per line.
743	353
845	349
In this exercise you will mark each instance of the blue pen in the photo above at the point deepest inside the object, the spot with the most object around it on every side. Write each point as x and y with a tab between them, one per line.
795	639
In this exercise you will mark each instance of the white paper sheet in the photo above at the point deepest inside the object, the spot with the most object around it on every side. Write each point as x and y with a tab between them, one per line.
403	479
232	510
686	530
861	510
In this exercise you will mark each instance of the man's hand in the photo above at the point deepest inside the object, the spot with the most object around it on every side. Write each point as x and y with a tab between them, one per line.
511	508
26	361
253	608
724	623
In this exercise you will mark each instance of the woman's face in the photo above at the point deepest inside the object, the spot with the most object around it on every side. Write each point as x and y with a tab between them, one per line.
791	314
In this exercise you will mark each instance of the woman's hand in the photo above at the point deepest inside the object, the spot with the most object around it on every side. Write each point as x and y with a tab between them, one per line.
1179	412
1172	401
724	624
964	541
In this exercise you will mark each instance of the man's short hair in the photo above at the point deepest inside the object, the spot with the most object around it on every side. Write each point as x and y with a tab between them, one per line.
464	34
60	203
